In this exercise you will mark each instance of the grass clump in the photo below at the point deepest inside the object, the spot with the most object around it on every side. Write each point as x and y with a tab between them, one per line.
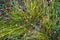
30	20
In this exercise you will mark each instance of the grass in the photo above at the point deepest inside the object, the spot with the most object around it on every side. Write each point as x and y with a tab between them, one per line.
34	20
